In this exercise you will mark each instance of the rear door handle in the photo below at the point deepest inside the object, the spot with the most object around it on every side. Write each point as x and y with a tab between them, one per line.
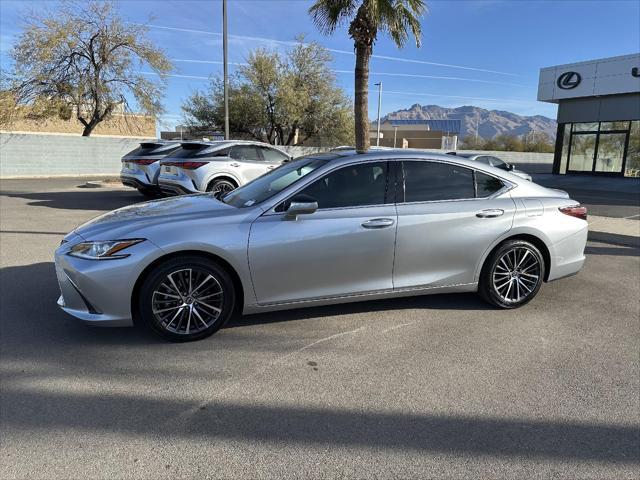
378	223
234	164
271	167
492	213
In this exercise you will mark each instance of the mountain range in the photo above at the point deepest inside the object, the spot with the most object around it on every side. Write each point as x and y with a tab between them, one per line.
489	122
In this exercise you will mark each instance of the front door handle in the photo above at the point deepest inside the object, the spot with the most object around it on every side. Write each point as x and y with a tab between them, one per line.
492	213
378	223
271	167
234	164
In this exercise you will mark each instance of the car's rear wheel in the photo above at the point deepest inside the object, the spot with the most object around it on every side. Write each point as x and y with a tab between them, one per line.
220	187
186	299
512	275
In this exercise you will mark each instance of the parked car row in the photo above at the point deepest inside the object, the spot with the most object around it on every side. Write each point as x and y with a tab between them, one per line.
175	168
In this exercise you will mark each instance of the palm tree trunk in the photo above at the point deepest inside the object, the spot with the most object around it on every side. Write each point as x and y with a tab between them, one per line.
361	101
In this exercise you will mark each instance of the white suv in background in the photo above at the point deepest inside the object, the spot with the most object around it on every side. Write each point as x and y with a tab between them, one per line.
217	167
141	167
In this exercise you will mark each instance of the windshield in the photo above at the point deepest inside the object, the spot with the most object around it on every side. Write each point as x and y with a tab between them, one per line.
271	183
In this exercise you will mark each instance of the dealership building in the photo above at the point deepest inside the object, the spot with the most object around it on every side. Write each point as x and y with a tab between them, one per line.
598	115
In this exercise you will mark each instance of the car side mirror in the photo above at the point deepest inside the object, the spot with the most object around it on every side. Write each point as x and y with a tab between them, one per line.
300	205
509	167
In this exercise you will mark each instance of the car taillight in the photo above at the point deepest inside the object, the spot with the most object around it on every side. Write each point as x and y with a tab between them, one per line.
577	211
145	161
185	165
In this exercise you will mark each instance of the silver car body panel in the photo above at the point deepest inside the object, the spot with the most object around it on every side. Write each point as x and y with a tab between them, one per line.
326	257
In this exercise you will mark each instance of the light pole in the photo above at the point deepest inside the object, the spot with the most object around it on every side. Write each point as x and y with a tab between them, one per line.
395	134
379	85
226	73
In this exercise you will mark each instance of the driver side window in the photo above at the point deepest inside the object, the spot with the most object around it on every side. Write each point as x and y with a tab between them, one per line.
351	186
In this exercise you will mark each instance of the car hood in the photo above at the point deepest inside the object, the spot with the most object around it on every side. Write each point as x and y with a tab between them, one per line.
119	223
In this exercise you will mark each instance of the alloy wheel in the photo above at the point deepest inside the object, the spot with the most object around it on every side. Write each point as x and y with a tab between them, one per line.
187	301
221	188
516	274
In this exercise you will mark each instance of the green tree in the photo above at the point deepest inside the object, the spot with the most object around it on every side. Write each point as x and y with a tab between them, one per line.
280	99
397	18
85	60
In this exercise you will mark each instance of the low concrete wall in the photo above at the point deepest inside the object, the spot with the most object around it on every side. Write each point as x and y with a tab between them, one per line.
40	155
35	155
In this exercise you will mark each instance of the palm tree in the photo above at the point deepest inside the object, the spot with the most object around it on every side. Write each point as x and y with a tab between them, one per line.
395	17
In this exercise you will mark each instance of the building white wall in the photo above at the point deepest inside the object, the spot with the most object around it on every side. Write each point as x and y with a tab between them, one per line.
606	76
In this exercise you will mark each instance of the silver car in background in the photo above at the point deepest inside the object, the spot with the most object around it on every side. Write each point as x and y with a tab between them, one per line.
217	167
141	166
494	162
322	229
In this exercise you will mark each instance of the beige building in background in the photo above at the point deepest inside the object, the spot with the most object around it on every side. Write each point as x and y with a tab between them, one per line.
119	125
432	134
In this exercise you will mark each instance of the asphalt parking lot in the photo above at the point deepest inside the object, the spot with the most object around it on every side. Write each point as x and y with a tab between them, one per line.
428	387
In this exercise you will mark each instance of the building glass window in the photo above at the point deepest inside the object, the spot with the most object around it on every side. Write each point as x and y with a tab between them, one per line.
632	167
585	127
610	152
604	126
566	138
583	149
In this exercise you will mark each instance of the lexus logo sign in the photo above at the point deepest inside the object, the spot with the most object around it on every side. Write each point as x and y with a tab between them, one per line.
569	80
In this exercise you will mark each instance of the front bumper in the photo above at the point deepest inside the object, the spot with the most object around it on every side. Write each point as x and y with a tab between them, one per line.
99	292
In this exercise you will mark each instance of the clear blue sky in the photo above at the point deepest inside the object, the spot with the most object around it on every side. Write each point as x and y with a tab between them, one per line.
494	48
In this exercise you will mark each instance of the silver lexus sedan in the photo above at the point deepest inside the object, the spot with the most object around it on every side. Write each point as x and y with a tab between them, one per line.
322	229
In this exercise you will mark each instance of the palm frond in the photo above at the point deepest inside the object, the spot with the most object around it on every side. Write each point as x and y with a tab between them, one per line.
399	18
329	14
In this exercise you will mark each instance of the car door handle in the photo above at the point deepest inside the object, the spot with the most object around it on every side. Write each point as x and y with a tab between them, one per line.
271	167
378	223
492	213
234	164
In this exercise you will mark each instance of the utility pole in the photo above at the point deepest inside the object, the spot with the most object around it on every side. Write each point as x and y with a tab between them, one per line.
225	69
379	102
395	133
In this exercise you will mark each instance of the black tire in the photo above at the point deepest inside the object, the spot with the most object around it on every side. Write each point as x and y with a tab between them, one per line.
513	265
158	297
221	186
148	193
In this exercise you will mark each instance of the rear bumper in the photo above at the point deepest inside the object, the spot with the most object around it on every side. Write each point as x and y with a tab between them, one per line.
568	255
138	183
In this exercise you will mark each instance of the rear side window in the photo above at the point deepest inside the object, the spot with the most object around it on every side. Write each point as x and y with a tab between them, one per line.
432	181
351	186
271	155
486	185
245	152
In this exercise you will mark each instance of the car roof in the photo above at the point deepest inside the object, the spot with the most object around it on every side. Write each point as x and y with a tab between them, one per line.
406	154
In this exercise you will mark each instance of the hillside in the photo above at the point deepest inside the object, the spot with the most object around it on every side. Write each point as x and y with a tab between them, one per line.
490	122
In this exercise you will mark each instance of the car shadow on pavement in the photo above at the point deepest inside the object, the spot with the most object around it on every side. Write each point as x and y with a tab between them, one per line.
82	199
28	311
453	301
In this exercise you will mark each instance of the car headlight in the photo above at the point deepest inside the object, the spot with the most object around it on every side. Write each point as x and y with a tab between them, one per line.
103	250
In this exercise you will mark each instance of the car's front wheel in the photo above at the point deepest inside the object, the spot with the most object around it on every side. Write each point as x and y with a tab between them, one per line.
187	298
512	275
